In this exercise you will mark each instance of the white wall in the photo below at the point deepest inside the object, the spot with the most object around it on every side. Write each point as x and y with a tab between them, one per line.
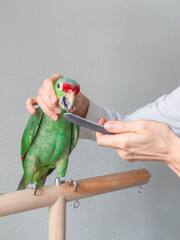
124	54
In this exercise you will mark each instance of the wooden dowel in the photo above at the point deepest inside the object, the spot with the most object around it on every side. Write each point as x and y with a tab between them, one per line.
24	200
57	220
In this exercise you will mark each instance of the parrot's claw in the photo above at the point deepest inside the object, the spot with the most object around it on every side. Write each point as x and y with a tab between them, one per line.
33	186
58	181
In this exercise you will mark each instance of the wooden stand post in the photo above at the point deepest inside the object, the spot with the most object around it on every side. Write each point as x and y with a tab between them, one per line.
57	220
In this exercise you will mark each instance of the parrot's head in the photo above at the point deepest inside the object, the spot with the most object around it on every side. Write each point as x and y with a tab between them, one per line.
66	90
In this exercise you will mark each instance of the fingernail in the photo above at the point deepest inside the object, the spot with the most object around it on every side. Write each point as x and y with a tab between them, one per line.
54	117
73	109
52	98
109	126
32	111
57	110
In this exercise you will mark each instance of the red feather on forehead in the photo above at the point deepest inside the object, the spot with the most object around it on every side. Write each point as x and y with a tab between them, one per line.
67	87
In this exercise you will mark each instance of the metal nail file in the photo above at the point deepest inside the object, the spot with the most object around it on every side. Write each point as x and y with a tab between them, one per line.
71	117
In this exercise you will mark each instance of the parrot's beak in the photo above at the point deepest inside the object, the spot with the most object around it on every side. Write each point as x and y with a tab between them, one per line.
67	101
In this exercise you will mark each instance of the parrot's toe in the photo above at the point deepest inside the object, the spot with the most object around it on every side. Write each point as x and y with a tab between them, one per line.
70	181
75	185
59	180
33	186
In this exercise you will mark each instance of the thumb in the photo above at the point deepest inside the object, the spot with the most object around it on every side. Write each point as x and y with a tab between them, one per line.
121	126
30	102
102	121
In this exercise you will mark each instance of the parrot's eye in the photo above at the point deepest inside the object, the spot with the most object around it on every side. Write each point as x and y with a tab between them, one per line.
59	86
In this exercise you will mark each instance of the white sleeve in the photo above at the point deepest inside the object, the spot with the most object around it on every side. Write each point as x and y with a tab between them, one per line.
164	109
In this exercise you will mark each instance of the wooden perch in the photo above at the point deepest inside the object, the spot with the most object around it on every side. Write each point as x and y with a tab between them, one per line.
24	200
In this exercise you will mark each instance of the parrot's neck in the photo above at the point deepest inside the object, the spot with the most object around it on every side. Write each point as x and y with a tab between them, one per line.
59	121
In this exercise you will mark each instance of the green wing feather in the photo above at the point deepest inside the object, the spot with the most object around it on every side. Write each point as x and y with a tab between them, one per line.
74	136
31	131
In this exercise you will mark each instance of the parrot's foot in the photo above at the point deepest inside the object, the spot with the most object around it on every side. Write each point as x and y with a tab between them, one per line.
58	181
32	186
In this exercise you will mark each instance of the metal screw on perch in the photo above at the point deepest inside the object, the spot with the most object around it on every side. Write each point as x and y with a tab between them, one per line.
76	204
140	189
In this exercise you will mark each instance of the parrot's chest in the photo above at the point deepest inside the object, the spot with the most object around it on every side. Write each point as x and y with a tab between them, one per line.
52	141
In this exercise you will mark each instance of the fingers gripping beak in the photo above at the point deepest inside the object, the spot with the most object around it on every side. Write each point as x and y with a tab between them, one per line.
67	101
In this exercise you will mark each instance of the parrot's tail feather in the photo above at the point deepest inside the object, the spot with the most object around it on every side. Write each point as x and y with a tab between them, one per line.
22	184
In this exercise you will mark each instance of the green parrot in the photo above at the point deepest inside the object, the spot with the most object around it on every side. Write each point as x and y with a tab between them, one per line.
46	144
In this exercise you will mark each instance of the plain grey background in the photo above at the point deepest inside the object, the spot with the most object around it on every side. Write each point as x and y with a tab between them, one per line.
124	54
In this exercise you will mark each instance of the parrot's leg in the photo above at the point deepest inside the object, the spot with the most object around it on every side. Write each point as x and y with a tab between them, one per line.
39	178
33	186
59	180
61	167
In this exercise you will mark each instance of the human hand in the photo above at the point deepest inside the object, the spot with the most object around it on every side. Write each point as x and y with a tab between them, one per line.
142	140
48	101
